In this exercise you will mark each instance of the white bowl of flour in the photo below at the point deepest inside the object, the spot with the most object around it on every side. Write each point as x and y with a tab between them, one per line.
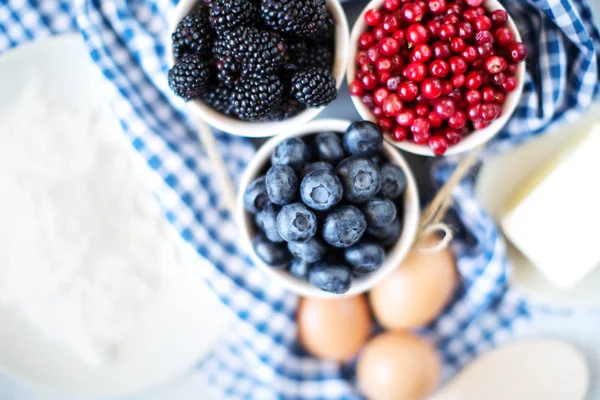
97	295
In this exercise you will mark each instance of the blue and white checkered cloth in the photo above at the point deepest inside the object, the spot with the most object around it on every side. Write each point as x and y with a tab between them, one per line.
127	40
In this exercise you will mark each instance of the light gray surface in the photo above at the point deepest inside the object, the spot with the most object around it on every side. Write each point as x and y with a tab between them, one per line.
581	328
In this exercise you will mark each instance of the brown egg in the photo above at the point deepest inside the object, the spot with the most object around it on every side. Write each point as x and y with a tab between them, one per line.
333	329
417	291
397	366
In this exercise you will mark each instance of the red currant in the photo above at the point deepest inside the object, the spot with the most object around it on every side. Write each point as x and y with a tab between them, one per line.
473	112
437	6
517	51
447	88
482	23
405	117
373	17
509	84
420	130
408	91
495	64
379	95
498	17
386	124
389	46
446	32
499	97
433	26
465	30
383	77
421	53
416	72
392	105
442	50
400	133
473	97
489	112
445	107
474	79
391	5
355	89
421	110
454	9
473	3
390	23
458	120
439	68
499	79
450	19
458	65
412	12
368	81
488	94
469	53
482	37
417	34
454	136
435	120
379	32
503	36
367	100
378	111
392	83
485	50
400	36
457	44
431	88
438	145
366	40
480	124
470	15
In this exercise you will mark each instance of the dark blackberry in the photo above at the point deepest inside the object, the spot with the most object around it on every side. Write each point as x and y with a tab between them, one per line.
321	55
328	30
228	69
258	51
193	34
224	15
220	98
257	96
301	18
189	76
289	108
314	87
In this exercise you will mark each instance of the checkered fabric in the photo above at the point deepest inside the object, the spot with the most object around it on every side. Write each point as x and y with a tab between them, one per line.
127	40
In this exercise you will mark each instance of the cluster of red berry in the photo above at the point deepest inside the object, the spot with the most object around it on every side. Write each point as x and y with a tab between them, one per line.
433	70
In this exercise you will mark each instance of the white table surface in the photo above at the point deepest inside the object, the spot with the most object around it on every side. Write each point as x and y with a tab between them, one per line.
580	328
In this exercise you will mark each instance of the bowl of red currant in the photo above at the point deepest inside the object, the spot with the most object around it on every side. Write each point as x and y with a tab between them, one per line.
440	77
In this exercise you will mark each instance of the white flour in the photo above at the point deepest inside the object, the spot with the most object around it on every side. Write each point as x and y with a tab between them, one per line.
82	243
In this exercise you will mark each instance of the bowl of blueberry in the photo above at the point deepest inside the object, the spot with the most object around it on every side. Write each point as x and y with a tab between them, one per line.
440	77
257	67
328	209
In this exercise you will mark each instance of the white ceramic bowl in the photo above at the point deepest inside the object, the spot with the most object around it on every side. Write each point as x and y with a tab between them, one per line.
359	285
264	129
468	142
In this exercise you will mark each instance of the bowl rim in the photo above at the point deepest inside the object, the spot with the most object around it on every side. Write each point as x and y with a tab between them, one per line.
468	142
394	257
238	127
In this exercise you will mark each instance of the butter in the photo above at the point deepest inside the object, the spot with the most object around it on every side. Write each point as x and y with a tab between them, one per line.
554	219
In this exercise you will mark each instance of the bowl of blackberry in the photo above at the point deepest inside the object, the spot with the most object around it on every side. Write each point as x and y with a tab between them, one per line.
328	209
256	68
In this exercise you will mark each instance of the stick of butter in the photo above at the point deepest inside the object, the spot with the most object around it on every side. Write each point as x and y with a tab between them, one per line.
554	220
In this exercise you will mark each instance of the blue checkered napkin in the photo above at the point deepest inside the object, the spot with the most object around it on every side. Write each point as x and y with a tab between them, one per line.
262	360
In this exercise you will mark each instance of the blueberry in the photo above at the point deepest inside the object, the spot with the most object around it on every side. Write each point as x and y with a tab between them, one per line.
273	254
321	190
393	181
361	179
255	196
299	268
377	159
282	184
344	226
365	257
363	139
331	278
379	212
308	168
329	147
312	251
388	234
292	152
296	223
266	220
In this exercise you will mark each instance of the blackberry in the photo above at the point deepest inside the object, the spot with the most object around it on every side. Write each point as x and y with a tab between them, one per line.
328	30
192	35
258	51
300	18
314	87
297	54
189	76
220	98
227	14
289	108
257	96
228	69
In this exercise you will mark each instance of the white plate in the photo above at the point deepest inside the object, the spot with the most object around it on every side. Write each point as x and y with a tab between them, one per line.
185	320
500	177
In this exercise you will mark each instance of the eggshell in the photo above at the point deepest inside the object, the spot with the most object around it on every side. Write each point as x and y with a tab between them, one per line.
397	366
333	329
417	291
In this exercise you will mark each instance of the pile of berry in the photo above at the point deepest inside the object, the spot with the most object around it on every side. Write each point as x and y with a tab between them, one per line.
328	207
257	60
434	70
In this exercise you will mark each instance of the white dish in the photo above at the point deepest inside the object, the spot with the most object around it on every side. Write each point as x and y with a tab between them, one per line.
500	177
359	285
264	129
183	322
470	141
